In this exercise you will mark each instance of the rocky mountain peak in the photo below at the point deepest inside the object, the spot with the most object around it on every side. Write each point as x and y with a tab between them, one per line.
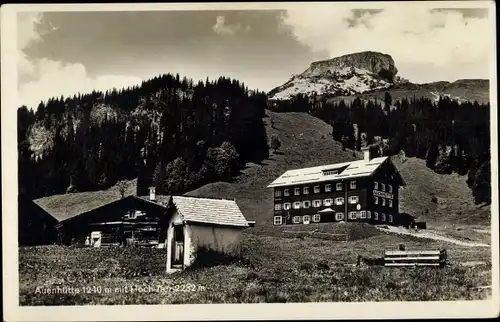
350	74
374	62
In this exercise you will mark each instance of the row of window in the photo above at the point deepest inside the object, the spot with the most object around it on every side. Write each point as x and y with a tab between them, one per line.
328	202
382	216
317	189
305	218
384	202
382	187
278	220
315	203
328	188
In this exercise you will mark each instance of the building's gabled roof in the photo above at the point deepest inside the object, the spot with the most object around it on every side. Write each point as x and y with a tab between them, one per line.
209	211
66	206
352	169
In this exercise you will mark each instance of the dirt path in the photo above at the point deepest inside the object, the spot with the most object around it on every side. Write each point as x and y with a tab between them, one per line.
429	235
482	231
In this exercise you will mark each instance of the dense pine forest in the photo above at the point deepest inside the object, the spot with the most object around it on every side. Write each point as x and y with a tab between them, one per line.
450	136
167	132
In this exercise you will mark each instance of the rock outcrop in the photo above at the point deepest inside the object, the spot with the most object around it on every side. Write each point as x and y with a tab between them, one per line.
345	75
374	62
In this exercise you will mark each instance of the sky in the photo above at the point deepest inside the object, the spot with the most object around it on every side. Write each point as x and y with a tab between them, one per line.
62	53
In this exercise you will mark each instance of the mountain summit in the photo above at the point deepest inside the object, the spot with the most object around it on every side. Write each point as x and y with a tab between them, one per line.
370	74
345	75
373	62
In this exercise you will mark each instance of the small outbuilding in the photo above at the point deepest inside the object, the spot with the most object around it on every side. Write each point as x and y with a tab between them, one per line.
202	223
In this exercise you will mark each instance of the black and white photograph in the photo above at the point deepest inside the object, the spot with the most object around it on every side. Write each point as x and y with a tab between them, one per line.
340	154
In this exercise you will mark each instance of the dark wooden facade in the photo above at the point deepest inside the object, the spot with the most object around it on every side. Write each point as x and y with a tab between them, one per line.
118	223
35	225
373	198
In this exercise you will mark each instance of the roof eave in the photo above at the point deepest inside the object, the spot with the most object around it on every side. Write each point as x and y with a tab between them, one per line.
246	225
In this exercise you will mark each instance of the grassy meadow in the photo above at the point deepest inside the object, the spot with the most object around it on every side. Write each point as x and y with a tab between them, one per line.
271	269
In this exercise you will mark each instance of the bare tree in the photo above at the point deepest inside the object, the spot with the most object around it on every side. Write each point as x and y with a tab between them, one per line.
275	143
122	187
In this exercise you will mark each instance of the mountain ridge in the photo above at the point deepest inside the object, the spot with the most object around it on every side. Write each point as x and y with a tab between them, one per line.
371	73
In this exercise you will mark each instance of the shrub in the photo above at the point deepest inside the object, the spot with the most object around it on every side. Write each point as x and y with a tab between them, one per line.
275	143
306	266
206	257
322	265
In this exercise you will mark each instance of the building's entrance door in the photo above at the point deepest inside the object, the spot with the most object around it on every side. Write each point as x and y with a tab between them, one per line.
178	246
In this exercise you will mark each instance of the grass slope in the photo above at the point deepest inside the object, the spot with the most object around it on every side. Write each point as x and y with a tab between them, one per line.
441	200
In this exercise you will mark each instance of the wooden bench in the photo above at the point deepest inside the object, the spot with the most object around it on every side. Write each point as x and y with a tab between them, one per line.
402	258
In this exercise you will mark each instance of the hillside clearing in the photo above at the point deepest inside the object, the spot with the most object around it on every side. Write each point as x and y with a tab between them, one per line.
441	200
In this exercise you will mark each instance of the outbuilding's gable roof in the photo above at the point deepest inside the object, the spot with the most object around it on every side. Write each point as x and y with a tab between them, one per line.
209	211
353	169
66	206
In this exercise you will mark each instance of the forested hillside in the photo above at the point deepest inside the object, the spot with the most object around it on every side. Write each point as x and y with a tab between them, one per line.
180	136
451	136
167	131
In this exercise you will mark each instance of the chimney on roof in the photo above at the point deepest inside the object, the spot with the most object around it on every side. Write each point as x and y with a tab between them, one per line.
152	193
367	155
